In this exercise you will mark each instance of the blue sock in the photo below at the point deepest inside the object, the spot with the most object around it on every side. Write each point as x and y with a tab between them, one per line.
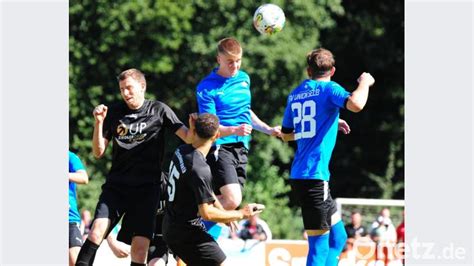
318	250
337	240
213	229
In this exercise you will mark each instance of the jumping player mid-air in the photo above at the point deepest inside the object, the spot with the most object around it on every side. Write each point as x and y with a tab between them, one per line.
225	92
311	119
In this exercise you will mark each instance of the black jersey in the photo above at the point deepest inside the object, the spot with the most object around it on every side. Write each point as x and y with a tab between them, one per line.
138	141
189	185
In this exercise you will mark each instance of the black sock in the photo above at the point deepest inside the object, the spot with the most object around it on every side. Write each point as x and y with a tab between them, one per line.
137	264
87	254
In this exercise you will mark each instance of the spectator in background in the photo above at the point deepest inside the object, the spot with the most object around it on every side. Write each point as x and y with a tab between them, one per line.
401	230
383	229
253	228
384	235
355	229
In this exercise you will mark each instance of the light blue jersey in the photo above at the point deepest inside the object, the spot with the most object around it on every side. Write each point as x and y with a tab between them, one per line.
312	111
227	98
75	165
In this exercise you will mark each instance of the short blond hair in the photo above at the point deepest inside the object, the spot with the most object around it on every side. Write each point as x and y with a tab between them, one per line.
229	46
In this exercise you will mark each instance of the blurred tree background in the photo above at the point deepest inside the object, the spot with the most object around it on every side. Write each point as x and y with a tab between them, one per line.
174	44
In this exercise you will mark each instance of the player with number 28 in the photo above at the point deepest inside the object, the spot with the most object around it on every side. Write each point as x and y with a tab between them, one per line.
311	119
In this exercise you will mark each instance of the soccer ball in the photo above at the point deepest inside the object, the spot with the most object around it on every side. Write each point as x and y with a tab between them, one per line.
269	19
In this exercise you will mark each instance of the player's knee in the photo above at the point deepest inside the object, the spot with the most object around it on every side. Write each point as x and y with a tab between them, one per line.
96	236
97	233
139	248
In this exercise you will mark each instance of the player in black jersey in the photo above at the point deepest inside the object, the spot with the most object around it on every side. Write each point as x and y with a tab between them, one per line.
191	198
131	190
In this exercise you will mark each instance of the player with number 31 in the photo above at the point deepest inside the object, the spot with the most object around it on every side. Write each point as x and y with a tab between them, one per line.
311	119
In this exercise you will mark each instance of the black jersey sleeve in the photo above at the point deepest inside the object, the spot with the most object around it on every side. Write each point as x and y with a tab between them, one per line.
170	120
201	185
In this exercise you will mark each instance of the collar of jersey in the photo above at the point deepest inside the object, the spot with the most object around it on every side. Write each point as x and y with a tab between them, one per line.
132	111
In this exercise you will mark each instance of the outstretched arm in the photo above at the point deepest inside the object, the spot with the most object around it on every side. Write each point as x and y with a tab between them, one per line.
241	130
263	127
211	213
187	134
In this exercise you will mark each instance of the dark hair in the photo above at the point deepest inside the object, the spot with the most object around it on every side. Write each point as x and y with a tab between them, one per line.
207	125
229	46
133	73
320	61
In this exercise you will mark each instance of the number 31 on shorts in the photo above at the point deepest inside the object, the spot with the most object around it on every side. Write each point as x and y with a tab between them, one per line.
304	118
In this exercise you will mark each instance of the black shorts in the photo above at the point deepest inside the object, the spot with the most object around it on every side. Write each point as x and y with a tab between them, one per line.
228	164
192	245
75	236
317	205
137	206
203	250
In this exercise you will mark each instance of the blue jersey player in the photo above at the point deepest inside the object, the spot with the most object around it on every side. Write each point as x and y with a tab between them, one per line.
77	175
311	119
225	92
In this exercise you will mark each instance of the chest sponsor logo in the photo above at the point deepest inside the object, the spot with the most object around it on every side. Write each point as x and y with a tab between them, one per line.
131	132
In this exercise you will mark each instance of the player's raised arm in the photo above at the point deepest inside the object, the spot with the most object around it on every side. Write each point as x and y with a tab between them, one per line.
263	127
358	99
99	143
